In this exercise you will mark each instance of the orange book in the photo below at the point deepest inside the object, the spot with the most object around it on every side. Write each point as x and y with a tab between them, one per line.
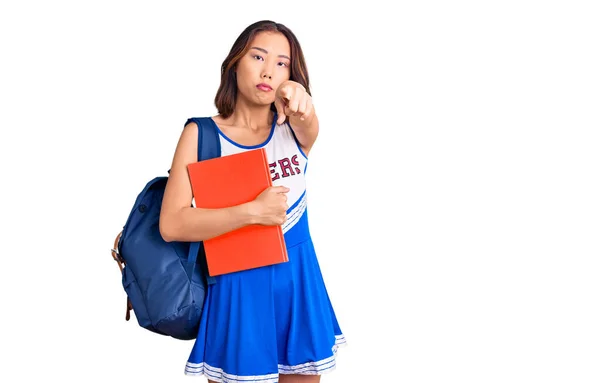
228	181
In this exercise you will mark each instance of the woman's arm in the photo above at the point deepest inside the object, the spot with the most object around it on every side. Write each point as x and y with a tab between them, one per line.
306	131
181	222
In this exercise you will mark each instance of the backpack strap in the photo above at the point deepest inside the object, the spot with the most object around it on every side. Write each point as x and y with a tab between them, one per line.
209	146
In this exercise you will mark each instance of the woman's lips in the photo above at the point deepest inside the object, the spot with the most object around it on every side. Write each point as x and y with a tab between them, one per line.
264	87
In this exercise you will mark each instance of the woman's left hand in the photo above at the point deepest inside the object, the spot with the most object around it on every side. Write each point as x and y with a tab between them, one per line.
291	99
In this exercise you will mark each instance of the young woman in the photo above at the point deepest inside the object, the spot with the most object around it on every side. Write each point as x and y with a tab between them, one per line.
273	323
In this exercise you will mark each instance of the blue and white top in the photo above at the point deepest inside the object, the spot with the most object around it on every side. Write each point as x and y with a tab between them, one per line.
287	163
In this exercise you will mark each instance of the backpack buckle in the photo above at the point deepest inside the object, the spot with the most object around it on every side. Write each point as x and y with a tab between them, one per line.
115	254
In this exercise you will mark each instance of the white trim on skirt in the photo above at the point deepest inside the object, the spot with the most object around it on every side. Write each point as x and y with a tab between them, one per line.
311	368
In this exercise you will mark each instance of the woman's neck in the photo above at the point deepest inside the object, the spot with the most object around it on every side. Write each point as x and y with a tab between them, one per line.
253	117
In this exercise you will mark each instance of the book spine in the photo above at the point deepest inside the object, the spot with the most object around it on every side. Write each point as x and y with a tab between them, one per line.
283	246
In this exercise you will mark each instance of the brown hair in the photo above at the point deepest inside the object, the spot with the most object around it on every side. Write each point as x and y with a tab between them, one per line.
227	93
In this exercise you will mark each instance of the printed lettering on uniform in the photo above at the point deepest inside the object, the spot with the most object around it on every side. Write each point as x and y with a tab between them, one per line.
284	167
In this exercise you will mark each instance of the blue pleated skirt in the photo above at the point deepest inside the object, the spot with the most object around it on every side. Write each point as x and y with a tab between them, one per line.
257	324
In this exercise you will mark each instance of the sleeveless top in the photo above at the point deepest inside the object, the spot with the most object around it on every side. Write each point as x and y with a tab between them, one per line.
287	163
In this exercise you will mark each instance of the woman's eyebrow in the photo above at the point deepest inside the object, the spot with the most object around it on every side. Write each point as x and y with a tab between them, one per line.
267	52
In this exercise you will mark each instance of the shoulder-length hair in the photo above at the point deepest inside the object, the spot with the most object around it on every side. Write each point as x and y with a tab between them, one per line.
227	93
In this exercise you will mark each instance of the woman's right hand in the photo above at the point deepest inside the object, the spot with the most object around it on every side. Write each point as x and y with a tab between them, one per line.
270	207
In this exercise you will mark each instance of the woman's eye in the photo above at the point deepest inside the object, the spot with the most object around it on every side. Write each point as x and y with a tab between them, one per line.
283	64
258	57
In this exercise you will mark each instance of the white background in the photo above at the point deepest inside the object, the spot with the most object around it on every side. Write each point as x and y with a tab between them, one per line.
454	188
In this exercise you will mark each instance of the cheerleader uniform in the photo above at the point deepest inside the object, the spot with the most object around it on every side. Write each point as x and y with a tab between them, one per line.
259	323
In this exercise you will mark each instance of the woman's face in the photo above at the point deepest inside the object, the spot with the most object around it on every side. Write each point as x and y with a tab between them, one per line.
263	68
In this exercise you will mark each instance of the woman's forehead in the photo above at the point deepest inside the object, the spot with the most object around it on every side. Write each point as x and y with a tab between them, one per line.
272	42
